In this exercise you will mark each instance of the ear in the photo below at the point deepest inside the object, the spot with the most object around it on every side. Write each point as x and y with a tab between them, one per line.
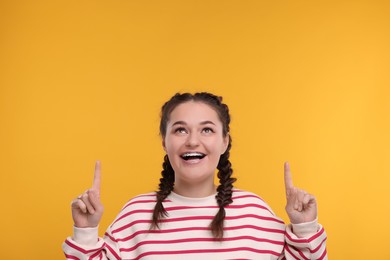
225	143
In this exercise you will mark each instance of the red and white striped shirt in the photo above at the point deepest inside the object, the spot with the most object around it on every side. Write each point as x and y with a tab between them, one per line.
251	231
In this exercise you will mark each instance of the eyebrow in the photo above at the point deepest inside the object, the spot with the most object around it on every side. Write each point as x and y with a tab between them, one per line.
202	123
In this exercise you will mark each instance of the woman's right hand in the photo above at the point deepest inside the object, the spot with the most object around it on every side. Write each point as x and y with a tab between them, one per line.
87	210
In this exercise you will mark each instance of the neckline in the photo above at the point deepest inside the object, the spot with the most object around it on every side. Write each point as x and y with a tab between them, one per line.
176	198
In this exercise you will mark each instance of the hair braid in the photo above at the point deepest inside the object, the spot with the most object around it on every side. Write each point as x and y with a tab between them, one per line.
225	191
165	188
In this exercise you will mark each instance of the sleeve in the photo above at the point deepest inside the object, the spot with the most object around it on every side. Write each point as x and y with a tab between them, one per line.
85	244
305	241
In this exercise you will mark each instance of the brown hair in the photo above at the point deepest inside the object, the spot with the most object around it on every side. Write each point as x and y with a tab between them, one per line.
225	171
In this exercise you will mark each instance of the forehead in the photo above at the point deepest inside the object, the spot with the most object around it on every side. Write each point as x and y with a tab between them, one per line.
193	111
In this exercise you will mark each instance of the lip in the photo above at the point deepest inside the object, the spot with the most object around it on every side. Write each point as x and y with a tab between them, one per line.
194	160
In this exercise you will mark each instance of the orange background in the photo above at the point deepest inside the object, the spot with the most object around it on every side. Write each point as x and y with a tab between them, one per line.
306	81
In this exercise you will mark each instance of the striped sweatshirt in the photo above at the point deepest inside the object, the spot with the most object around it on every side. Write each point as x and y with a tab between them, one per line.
251	231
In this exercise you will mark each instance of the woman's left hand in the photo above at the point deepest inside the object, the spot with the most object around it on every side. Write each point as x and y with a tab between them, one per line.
301	206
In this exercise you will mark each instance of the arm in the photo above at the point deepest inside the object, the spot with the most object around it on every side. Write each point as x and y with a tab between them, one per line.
85	244
305	238
87	211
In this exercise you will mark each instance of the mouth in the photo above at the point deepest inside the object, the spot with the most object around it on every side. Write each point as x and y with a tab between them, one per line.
192	156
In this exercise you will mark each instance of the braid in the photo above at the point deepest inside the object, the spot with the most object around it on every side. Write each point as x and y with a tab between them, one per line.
165	188
224	195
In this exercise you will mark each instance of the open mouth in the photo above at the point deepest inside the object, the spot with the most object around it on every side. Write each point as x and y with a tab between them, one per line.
192	156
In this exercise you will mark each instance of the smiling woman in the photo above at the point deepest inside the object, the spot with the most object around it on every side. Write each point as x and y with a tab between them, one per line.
194	142
189	215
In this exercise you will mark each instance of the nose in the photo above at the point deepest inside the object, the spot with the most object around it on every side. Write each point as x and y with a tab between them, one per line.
192	140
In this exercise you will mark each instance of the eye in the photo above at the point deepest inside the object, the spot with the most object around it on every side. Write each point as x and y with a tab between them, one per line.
180	130
207	130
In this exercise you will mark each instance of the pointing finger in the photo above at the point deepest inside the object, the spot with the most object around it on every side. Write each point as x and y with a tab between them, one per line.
97	177
287	177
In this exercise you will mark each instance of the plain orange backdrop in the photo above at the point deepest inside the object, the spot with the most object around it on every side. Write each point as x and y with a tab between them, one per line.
306	81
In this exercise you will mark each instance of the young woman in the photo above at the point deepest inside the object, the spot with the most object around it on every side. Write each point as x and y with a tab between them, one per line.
189	217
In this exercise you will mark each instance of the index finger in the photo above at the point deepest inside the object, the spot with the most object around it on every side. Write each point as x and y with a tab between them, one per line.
97	176
287	177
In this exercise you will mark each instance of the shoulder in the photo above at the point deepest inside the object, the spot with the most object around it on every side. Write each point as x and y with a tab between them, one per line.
142	200
247	195
139	207
249	199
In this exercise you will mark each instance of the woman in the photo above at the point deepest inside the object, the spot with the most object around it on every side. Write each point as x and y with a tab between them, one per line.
190	217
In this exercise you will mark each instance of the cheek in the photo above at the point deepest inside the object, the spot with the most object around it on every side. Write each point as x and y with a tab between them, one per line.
217	149
221	146
170	145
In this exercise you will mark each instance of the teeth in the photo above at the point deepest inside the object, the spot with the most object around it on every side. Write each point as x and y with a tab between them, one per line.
193	155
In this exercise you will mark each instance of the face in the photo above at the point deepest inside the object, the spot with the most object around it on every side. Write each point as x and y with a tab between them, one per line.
194	142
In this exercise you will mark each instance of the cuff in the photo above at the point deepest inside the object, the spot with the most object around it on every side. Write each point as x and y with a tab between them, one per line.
305	230
86	236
